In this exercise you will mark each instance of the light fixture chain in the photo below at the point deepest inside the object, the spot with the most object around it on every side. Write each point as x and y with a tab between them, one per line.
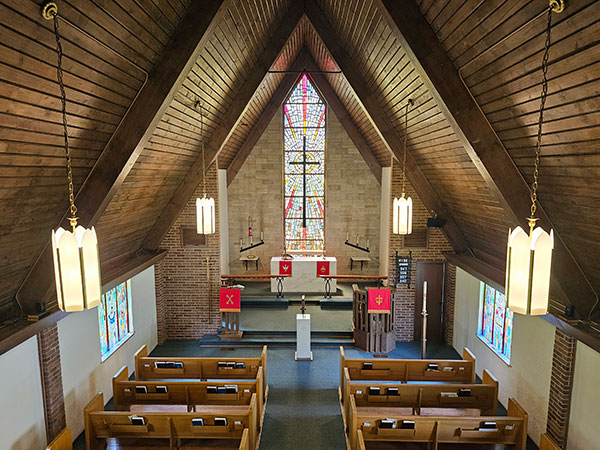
405	149
544	94
63	99
202	147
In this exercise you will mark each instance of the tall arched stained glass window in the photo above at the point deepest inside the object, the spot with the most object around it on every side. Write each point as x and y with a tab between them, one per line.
304	168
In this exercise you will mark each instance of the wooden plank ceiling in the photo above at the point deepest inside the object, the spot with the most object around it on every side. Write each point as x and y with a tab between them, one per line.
502	74
100	86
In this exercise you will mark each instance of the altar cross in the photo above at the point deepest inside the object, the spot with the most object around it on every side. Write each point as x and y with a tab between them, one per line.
304	163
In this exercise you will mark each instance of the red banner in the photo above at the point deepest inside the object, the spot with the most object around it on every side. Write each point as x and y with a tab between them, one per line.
322	268
230	300
285	268
380	301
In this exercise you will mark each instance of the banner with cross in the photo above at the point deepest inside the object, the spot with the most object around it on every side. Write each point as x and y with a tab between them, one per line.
379	301
230	300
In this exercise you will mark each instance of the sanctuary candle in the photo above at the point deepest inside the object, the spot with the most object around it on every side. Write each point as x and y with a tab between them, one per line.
424	296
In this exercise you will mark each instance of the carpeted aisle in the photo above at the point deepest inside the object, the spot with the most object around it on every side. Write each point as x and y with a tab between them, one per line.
303	410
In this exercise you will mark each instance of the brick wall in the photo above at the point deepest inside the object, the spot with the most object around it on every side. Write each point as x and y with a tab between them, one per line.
52	386
404	298
352	199
561	387
181	277
449	291
161	307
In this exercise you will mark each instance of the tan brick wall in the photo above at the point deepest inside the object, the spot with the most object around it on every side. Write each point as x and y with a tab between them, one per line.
161	307
561	387
183	281
52	386
404	297
449	295
352	199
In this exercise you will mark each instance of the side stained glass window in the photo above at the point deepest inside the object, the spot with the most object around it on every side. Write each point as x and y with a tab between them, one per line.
114	318
304	168
495	321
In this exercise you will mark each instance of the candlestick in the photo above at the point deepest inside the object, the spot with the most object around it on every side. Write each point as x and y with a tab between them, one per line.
262	235
347	235
357	239
241	243
367	243
424	295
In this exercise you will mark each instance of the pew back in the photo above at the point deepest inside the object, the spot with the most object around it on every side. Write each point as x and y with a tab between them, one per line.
506	430
473	396
190	393
100	424
160	368
405	370
547	444
63	441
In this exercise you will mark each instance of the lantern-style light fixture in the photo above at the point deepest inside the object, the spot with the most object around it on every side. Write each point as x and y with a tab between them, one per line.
529	257
402	207
76	260
205	207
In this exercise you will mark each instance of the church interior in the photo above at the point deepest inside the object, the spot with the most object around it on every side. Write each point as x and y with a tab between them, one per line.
280	224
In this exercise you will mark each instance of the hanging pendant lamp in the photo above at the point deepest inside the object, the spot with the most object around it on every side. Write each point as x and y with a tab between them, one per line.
529	257
75	253
205	207
402	207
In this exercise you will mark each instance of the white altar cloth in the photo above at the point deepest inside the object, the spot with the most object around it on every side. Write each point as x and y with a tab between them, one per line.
304	274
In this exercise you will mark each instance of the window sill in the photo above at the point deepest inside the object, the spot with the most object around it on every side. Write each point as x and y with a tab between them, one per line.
503	358
108	354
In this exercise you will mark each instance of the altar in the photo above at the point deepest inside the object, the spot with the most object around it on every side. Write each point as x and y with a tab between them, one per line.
303	273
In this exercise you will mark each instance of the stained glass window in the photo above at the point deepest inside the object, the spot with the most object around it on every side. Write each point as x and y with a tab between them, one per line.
304	168
114	318
495	321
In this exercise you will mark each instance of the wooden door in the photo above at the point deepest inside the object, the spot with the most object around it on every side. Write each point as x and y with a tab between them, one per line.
433	273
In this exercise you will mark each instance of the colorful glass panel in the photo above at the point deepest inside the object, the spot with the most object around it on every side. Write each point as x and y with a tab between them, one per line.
496	324
304	168
500	308
508	333
102	326
123	310
111	317
488	316
114	317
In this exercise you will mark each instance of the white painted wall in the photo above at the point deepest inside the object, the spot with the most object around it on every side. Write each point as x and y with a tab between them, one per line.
223	220
528	377
384	220
584	432
22	423
82	372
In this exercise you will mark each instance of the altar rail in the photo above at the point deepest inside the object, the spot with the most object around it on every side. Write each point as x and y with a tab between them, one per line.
483	397
404	370
506	430
161	368
101	425
187	393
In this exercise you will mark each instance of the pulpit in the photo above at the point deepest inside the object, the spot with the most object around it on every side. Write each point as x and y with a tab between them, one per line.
373	332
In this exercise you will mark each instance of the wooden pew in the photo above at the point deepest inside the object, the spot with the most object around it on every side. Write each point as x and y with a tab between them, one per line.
154	368
63	441
547	444
483	397
174	426
405	370
190	394
507	430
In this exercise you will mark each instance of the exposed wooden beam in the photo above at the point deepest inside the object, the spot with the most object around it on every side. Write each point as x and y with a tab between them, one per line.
115	271
194	176
336	105
479	139
383	124
279	96
134	131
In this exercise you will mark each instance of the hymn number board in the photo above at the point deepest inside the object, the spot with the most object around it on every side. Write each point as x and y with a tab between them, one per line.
403	269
